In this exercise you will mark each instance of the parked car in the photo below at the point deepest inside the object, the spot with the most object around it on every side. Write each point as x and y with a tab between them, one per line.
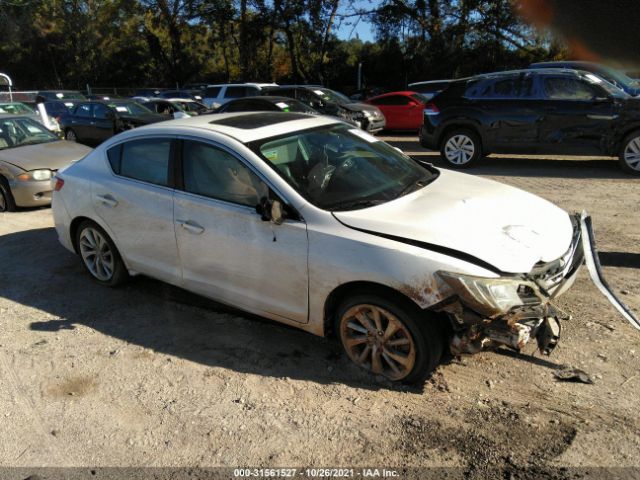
216	95
57	109
369	244
192	107
94	122
29	156
429	88
401	110
149	92
546	111
165	107
265	104
18	108
330	102
60	95
611	75
183	94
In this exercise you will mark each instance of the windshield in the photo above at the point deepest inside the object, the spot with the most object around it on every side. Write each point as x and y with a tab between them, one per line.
16	109
332	96
342	168
291	105
16	132
63	95
617	77
130	108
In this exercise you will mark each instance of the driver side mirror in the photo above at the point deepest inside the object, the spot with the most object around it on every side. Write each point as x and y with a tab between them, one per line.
271	211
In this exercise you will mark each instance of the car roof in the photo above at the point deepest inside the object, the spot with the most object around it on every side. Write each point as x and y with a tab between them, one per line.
11	115
405	93
247	127
268	98
544	71
248	84
559	63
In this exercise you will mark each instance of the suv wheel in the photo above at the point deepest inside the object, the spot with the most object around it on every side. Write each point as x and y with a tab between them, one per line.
461	148
387	338
71	136
629	156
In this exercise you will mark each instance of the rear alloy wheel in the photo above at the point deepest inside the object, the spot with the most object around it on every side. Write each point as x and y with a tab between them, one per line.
71	136
99	255
7	203
629	157
382	337
461	148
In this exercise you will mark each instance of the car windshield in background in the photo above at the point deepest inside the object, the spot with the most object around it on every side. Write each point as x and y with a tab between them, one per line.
610	88
17	132
618	77
342	168
419	97
296	106
16	109
130	108
332	96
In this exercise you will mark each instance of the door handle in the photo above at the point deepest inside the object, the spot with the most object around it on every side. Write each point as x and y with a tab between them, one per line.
190	226
108	200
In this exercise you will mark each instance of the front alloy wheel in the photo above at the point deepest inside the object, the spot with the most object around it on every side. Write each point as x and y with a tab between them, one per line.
630	155
387	338
461	148
376	340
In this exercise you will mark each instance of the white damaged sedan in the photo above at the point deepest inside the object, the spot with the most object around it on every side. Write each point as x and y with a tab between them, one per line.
313	223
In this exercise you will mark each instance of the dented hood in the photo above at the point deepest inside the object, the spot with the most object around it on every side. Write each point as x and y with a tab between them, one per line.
503	226
51	155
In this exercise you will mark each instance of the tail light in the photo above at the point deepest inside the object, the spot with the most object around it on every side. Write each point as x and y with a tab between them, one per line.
59	184
431	109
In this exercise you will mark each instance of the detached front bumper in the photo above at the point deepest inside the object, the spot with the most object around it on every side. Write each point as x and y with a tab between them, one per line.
478	326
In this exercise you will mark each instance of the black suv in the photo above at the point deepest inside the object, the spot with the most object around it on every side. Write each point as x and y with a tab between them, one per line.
549	111
330	102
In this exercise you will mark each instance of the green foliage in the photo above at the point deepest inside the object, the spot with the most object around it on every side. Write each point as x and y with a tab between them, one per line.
120	43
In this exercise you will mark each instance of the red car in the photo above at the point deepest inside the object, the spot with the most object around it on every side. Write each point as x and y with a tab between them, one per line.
403	110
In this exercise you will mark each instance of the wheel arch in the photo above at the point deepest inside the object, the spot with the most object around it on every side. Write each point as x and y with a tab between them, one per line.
341	292
462	125
625	133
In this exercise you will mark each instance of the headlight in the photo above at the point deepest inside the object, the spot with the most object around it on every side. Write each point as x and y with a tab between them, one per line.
35	175
368	114
491	296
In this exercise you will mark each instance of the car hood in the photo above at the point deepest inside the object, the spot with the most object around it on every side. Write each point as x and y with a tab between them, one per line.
503	226
52	155
361	107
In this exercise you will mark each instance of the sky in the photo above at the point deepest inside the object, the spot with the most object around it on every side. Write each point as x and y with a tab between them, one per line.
363	29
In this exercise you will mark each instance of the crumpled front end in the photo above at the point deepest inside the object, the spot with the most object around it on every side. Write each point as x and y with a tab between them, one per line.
513	309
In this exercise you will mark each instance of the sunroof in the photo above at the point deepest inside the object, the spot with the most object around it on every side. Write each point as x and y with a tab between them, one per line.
259	120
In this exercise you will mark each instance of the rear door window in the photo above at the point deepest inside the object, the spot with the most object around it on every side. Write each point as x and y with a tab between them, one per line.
236	92
83	110
212	92
146	160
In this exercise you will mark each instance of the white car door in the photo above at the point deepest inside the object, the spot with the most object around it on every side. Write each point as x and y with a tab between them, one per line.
226	250
136	202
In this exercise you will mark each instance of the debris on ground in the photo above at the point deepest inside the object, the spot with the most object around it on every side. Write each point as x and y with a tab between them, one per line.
573	375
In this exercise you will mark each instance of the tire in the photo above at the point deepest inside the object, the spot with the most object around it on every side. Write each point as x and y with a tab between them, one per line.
418	342
70	135
107	269
629	155
7	202
461	148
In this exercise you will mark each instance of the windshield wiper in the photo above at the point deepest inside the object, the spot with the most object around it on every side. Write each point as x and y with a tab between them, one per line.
412	187
354	204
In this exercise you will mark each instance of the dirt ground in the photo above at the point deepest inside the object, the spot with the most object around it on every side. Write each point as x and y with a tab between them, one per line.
149	375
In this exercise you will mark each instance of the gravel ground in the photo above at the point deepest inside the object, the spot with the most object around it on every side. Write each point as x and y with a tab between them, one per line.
150	375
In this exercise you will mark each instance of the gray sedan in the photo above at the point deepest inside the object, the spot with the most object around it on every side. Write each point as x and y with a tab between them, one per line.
29	156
